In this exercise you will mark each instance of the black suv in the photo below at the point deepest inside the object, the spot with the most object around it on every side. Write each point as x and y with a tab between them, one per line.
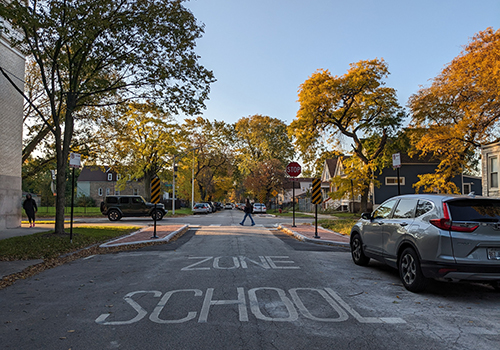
116	207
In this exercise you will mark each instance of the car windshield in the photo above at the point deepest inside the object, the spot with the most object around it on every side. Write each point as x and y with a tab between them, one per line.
484	210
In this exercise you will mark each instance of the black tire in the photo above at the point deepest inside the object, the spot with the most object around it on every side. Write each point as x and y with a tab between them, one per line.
357	254
158	214
114	215
410	271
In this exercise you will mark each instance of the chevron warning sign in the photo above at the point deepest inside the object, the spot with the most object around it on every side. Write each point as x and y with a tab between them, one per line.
316	191
155	190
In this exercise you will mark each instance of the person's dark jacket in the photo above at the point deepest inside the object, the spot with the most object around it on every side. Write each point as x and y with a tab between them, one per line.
29	206
248	208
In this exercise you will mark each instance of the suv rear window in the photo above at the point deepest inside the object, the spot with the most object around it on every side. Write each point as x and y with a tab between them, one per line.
124	200
485	210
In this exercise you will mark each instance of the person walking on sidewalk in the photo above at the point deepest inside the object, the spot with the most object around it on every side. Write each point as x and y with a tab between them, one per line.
30	208
248	212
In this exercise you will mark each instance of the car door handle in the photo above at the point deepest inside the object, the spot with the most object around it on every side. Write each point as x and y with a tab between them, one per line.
403	224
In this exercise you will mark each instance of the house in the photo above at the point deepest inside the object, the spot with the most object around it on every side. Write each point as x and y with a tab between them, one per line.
301	185
410	168
101	181
490	155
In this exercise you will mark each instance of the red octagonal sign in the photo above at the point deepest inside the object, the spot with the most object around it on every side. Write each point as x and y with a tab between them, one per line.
293	169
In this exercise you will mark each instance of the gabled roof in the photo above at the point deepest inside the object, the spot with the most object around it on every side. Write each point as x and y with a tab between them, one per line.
96	173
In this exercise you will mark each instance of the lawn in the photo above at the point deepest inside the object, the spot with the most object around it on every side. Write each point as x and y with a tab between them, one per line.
343	226
47	245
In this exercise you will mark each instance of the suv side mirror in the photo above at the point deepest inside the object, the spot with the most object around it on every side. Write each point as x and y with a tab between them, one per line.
366	216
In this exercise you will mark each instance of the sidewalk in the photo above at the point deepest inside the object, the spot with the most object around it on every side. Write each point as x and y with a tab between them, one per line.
307	233
164	233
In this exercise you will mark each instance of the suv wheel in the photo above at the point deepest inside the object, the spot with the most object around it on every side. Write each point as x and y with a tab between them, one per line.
410	272
358	256
158	214
114	215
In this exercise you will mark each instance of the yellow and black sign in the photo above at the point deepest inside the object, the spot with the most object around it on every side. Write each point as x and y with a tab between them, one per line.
316	192
155	190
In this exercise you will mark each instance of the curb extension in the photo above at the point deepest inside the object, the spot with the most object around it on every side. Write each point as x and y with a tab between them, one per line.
165	239
303	238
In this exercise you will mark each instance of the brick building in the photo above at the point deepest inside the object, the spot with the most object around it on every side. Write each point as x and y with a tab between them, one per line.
11	137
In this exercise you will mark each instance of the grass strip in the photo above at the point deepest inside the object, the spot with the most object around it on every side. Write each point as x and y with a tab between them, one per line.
47	245
343	226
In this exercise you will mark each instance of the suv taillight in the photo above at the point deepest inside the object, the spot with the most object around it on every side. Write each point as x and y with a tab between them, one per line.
447	224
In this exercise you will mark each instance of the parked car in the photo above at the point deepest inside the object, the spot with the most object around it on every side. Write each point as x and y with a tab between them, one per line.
427	236
116	207
202	208
259	208
228	206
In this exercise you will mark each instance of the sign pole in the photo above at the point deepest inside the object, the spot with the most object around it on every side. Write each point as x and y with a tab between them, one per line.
316	199
72	206
399	183
293	170
155	198
293	202
74	162
316	222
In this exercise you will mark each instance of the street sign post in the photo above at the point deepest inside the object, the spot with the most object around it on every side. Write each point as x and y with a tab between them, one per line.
155	198
396	163
293	169
74	162
316	199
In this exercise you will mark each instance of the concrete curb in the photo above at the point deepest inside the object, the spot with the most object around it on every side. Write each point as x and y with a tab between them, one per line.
165	239
312	240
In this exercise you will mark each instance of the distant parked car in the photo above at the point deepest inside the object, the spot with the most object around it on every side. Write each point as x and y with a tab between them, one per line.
116	207
201	208
228	206
427	236
259	208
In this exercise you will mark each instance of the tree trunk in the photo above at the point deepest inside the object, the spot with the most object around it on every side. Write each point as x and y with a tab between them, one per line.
364	199
62	161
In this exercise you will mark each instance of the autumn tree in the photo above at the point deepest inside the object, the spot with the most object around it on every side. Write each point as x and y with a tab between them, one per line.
459	111
139	141
357	106
262	146
266	177
213	157
89	50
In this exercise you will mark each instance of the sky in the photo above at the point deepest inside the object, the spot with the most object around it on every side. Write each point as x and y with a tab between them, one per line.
261	51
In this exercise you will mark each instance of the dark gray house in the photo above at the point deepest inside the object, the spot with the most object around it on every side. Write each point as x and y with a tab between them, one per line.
408	176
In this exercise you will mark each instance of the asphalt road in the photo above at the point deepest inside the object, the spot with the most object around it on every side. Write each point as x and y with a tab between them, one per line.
233	287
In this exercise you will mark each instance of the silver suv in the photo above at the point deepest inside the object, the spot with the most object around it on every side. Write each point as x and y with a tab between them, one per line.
429	236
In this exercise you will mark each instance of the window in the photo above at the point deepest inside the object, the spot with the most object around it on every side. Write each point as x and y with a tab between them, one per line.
110	177
137	200
136	192
99	192
467	189
493	171
423	207
119	176
393	181
384	210
112	200
124	200
107	191
117	192
405	209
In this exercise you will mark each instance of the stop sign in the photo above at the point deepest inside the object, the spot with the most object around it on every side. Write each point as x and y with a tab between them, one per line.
293	169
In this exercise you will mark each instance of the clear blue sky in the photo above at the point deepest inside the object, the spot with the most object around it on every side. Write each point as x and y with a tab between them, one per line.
262	50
